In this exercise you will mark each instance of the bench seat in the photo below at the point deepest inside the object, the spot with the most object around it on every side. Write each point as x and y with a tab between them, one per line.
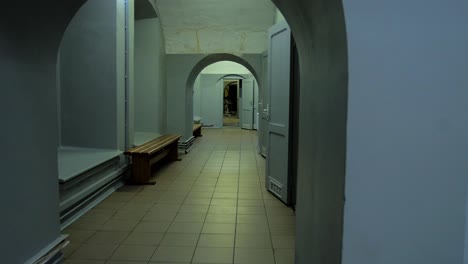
144	156
197	130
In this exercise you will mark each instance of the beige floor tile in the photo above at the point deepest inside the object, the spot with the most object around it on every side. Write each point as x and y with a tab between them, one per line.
144	239
124	262
221	218
253	241
217	228
284	242
173	254
216	240
70	249
164	208
156	216
189	217
180	240
107	237
211	255
226	190
282	220
250	210
252	196
99	214
83	261
222	209
95	252
119	225
185	227
195	209
79	236
200	195
197	201
251	203
223	195
252	219
284	256
134	253
283	230
156	227
90	225
129	215
253	256
274	211
224	202
110	205
131	206
252	229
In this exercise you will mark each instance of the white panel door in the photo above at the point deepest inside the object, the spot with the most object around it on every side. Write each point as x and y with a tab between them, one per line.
247	104
264	105
220	103
255	106
278	135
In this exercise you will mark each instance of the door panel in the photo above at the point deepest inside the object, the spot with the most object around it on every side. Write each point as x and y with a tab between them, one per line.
220	103
278	135
263	108
247	103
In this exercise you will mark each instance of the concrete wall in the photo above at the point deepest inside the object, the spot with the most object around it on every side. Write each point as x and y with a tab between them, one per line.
279	16
406	180
88	58
28	52
212	96
150	77
225	67
321	38
197	98
466	232
121	108
182	71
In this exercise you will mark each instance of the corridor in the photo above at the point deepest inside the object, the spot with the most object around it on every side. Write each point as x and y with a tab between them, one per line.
211	207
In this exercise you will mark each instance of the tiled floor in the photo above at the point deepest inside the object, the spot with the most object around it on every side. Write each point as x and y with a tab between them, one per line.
211	207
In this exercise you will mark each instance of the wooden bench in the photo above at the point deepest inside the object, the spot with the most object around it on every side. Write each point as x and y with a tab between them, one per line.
144	156
197	130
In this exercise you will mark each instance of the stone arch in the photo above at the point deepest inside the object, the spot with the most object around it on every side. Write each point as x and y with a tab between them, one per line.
210	59
198	68
319	30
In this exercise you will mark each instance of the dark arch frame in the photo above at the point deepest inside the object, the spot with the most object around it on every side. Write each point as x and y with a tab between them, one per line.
210	59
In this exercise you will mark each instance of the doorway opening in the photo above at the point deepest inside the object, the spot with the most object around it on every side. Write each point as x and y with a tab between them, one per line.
231	103
225	95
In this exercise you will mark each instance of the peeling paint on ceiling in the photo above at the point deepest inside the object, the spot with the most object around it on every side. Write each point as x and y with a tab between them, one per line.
216	26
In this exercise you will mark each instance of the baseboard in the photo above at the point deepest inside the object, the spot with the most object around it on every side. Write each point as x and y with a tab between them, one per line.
51	254
87	203
187	144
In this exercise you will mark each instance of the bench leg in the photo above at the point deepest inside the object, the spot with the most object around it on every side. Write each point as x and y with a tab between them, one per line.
174	152
141	171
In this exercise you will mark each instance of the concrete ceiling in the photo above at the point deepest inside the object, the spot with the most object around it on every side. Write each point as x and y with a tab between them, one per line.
216	26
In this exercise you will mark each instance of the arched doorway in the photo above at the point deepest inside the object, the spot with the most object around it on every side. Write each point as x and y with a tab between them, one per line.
301	15
225	94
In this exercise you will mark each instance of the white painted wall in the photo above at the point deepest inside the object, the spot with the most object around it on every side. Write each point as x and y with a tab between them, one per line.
150	76
279	16
466	231
225	67
88	76
211	100
197	98
406	179
183	69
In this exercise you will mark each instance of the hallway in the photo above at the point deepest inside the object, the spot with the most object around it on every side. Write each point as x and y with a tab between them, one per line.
212	207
